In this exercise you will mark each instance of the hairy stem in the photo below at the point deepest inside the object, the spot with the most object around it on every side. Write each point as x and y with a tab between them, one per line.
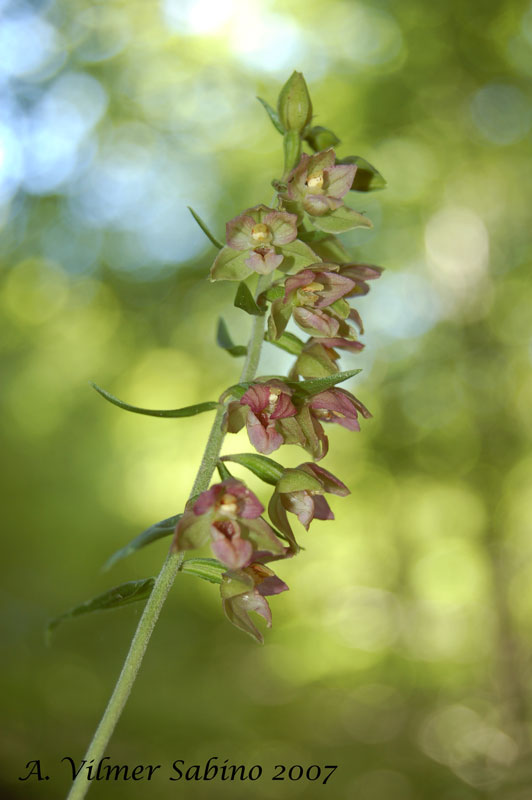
166	577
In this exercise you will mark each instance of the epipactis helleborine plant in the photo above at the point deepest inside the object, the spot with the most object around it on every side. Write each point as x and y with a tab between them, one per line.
290	268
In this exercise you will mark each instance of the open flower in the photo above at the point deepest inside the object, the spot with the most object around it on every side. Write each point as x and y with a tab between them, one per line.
244	590
318	357
314	296
229	515
317	184
300	491
265	409
338	405
255	241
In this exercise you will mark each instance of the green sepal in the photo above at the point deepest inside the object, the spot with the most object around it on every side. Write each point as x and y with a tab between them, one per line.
313	236
126	593
245	300
230	265
193	532
288	342
157	531
236	390
312	386
274	292
340	308
262	536
280	313
205	229
314	362
296	480
234	583
297	255
341	220
367	177
209	569
223	340
264	468
331	249
273	115
187	411
279	518
320	138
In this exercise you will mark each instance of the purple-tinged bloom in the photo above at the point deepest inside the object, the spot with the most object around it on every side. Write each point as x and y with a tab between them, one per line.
229	515
318	357
338	405
315	297
300	491
268	404
259	233
244	590
317	184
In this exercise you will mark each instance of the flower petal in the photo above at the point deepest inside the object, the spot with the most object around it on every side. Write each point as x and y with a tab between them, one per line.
263	260
238	232
265	439
338	180
282	225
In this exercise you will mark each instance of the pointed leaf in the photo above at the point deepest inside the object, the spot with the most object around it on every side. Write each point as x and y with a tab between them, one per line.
205	229
264	468
126	593
289	342
187	411
273	115
367	177
341	220
245	300
230	265
209	569
297	255
157	531
223	340
312	386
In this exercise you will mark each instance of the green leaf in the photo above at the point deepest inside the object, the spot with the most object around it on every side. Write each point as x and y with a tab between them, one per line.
245	300
289	342
205	229
264	468
313	236
367	177
157	531
273	115
297	255
230	265
187	411
126	593
209	569
312	386
341	220
223	340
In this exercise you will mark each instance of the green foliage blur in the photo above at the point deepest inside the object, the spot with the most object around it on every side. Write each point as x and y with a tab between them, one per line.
402	651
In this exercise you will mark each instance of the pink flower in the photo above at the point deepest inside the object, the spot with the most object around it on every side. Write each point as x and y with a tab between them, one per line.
260	231
317	184
267	404
229	515
244	590
338	405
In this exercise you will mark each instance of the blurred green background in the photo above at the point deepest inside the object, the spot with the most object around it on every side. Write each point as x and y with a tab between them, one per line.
402	651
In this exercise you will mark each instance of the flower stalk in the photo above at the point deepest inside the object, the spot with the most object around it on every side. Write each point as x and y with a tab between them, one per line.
304	274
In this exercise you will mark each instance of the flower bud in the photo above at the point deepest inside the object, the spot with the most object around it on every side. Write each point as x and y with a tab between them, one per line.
294	104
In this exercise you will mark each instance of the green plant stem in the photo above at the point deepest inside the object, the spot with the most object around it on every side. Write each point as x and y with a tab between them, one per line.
167	575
